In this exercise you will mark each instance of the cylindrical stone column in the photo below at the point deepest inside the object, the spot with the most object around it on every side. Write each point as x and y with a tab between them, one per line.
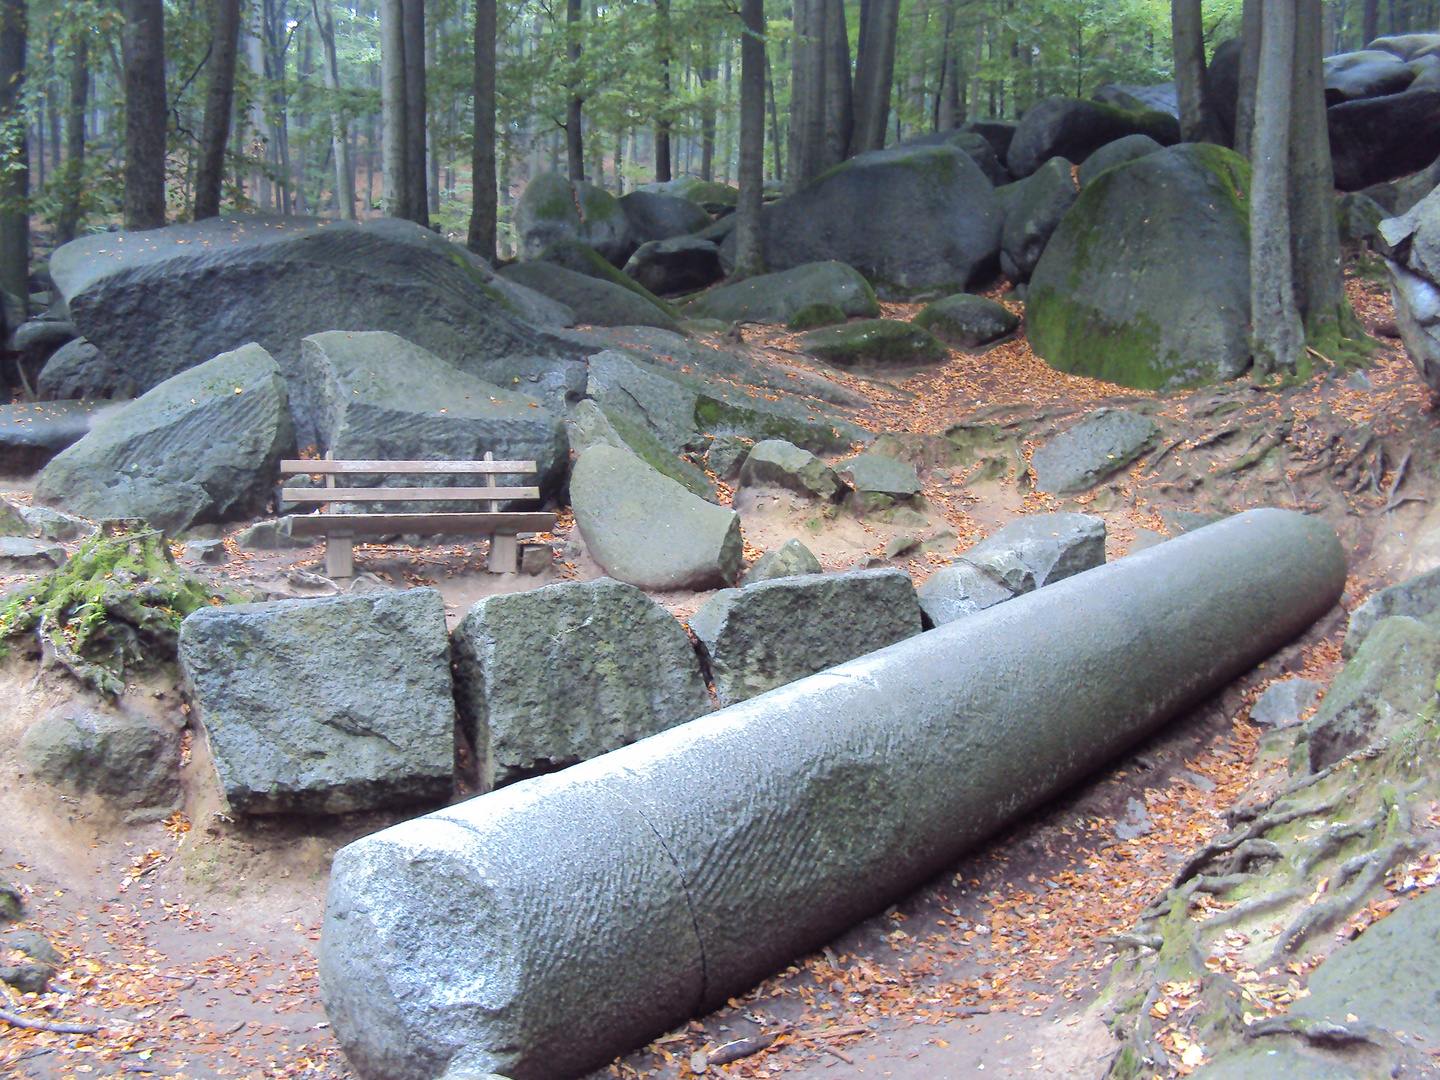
539	930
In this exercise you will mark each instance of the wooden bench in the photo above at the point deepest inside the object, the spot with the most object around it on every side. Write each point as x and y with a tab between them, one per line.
339	530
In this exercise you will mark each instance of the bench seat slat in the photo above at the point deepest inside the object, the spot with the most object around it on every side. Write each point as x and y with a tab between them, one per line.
422	524
292	465
399	494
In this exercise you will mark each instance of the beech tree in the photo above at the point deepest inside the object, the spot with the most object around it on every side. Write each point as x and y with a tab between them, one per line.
749	255
146	114
483	204
219	102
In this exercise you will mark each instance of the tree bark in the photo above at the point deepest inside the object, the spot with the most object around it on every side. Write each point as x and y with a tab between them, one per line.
777	147
1315	246
1188	36
393	112
874	73
574	109
219	101
1251	32
15	176
143	51
707	109
413	15
1277	336
1370	22
839	95
749	255
662	122
339	137
484	205
68	221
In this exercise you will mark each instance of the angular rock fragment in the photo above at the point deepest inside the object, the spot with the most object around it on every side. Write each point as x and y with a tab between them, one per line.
880	480
958	590
22	555
1283	702
1040	549
788	560
1100	445
133	761
1418	597
777	463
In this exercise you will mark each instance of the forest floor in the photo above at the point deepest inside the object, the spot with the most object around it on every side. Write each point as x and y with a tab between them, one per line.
191	941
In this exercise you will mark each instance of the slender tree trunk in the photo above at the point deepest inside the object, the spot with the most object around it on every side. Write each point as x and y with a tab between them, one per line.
807	75
143	45
620	164
707	109
413	17
662	123
15	176
749	254
1277	336
339	138
1315	246
1251	32
483	205
874	73
1188	35
69	218
432	157
574	118
839	102
1370	21
777	146
393	110
219	102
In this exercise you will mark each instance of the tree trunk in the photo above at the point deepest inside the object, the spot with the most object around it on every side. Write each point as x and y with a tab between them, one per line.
432	157
339	138
839	102
483	205
413	17
219	101
1188	35
777	147
662	123
707	109
1315	246
1370	22
143	49
393	111
69	218
14	177
1251	32
749	255
807	88
574	118
874	72
1277	336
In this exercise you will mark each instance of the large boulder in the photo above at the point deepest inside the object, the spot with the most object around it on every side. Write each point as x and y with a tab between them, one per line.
30	435
1075	129
654	216
202	447
326	706
1365	74
1406	46
132	761
1119	152
681	265
916	221
1040	550
773	632
645	529
564	673
590	423
967	321
33	343
998	133
597	302
1413	243
158	302
711	196
1416	598
1221	89
1099	446
553	208
1033	208
383	397
1384	686
1377	139
78	370
875	343
1146	282
775	298
776	463
1159	97
977	146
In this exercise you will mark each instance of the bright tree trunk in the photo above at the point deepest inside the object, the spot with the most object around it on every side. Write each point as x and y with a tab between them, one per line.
339	138
393	113
1188	37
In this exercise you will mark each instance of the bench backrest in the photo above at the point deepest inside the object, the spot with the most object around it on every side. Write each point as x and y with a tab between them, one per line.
330	469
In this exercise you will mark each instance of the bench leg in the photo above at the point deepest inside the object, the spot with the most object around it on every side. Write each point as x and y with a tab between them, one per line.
339	556
504	556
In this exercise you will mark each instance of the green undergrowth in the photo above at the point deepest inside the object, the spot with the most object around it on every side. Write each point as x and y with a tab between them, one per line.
115	606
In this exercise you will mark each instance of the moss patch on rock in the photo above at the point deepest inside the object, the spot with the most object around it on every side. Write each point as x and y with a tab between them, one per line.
813	316
875	343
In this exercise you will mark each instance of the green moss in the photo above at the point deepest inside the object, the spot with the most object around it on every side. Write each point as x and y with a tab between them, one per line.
550	197
1071	337
875	341
651	451
716	416
117	603
811	316
583	259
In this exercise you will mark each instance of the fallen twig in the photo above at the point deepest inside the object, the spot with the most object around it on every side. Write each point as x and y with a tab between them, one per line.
26	1024
842	1056
740	1048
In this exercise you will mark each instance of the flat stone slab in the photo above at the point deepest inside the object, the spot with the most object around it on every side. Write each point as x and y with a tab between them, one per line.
774	632
32	434
328	705
567	672
1282	703
879	474
1097	447
958	590
1040	549
645	529
23	555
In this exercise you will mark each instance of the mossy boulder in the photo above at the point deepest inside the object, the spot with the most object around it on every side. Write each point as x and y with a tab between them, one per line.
1033	208
918	222
591	424
711	196
814	316
654	216
967	321
874	343
1120	152
775	298
1146	282
579	258
595	301
1075	129
553	207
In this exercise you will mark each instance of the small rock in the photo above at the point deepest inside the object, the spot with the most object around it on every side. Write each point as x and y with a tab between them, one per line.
725	455
1358	380
12	520
50	524
777	463
22	555
905	518
129	760
1099	446
1180	522
1040	549
900	545
880	480
967	321
211	552
1137	821
28	978
875	343
34	945
1282	703
272	536
12	902
958	590
368	583
535	559
790	559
